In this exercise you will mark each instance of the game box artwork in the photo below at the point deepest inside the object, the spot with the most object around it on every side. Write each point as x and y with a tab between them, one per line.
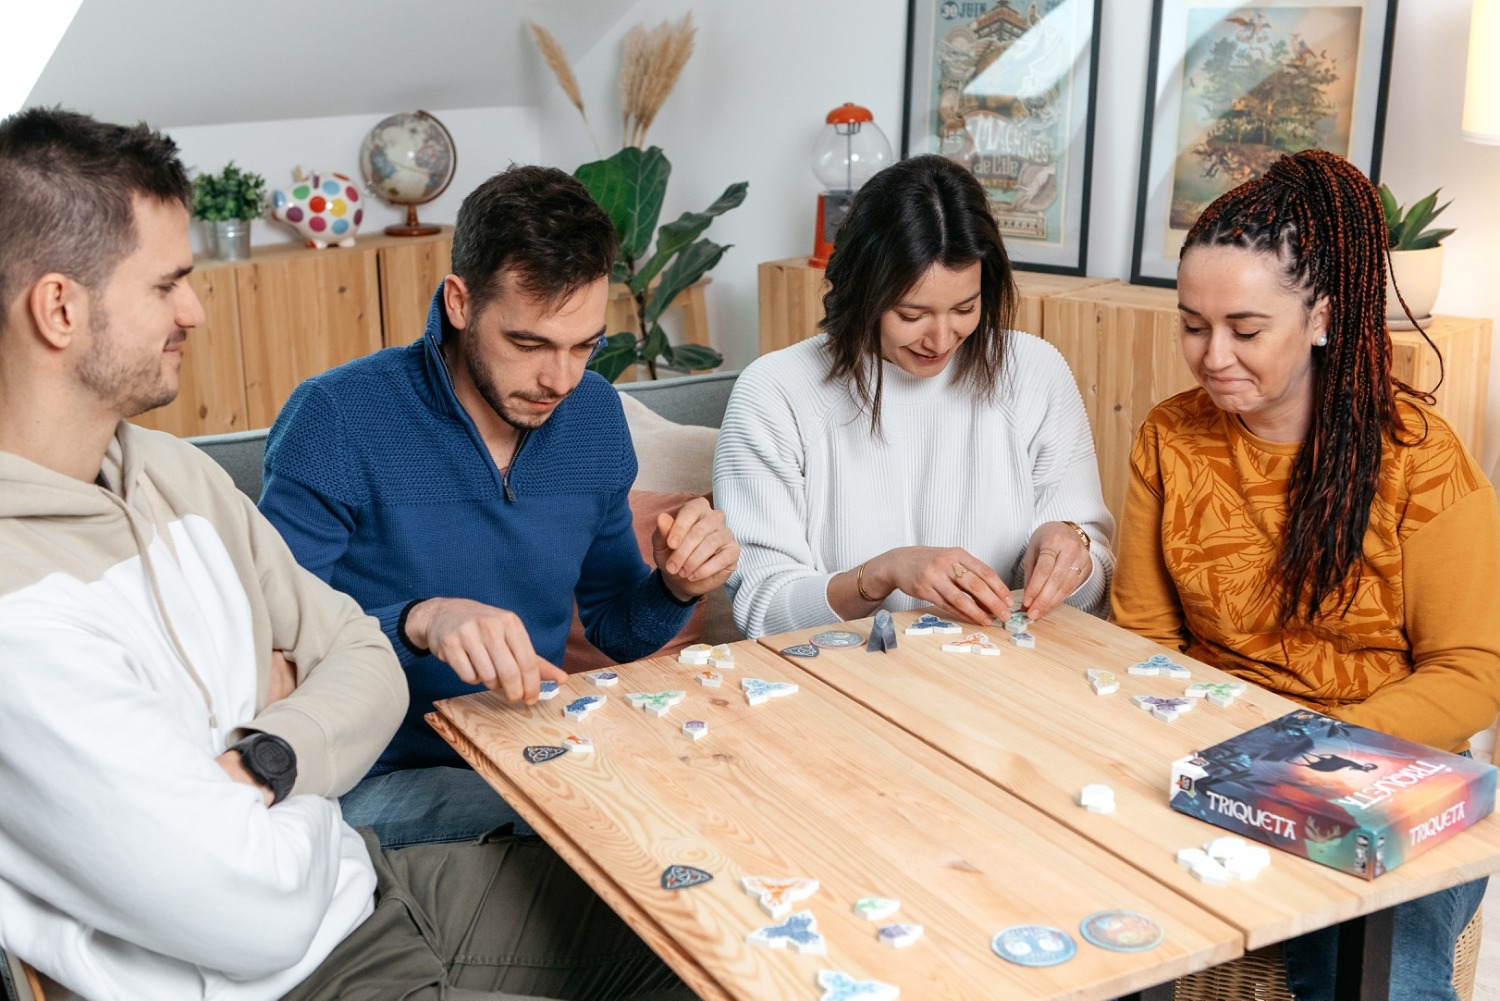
1358	800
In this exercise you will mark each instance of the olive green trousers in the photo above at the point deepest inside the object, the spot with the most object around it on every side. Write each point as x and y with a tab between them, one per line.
502	918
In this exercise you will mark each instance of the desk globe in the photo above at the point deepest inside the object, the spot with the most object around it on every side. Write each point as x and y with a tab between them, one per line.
409	159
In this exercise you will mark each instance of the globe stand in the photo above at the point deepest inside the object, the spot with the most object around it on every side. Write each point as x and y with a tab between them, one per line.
412	227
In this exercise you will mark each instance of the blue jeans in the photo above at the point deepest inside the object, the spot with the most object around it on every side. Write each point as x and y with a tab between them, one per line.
1421	952
422	806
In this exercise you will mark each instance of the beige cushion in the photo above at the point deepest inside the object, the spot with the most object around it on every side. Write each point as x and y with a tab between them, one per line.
676	464
673	458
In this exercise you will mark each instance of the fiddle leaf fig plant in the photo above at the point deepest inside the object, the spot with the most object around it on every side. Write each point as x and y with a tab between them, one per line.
1408	228
631	186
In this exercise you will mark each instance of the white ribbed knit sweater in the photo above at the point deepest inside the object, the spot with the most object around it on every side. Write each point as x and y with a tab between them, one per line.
809	491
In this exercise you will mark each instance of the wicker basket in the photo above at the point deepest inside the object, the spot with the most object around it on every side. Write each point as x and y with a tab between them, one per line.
1260	975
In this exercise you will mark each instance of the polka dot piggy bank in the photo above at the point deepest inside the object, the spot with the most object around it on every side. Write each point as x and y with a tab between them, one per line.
324	208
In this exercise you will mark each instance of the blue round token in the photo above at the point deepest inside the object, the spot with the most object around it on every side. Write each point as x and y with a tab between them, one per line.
834	639
1122	931
1034	945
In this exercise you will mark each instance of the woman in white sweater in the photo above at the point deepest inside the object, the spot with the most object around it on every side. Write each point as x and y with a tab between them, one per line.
918	451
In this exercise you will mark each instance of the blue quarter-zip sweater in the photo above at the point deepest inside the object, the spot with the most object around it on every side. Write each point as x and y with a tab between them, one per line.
381	485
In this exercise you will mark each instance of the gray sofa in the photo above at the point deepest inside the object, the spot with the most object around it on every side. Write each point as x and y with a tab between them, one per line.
673	432
696	400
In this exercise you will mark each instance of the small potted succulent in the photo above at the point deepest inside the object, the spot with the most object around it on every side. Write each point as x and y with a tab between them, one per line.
1416	257
227	202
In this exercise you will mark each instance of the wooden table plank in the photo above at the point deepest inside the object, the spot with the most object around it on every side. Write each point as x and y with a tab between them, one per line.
814	785
1029	722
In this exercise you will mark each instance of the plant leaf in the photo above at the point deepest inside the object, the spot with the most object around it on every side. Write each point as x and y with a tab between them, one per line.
682	231
618	354
1429	239
1418	216
686	268
654	344
630	186
1392	210
695	358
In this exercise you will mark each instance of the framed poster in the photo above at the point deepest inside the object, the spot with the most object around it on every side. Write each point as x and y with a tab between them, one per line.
1006	88
1231	88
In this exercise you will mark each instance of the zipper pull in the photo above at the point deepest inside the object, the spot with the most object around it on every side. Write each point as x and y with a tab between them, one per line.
510	495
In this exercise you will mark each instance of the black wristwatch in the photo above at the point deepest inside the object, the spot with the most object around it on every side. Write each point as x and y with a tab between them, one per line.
270	761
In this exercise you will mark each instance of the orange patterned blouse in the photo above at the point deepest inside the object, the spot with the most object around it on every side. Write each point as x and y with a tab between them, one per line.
1418	653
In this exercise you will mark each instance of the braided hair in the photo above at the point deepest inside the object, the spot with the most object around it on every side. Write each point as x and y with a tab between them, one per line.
1320	217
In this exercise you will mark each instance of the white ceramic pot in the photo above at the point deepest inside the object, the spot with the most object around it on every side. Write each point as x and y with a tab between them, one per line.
1418	273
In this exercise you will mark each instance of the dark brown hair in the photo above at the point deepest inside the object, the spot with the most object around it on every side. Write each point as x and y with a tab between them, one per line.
66	189
1316	214
923	211
538	223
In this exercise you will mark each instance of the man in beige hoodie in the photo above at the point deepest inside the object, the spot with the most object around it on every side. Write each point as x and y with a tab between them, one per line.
181	701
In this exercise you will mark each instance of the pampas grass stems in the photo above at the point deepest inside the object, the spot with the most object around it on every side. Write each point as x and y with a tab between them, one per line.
553	53
662	55
651	64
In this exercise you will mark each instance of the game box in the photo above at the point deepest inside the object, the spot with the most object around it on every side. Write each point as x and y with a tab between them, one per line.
1355	799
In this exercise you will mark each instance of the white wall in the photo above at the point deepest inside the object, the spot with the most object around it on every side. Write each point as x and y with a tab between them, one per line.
753	97
488	140
748	107
752	100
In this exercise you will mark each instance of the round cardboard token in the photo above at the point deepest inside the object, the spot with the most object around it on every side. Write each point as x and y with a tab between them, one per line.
1122	931
834	639
1034	945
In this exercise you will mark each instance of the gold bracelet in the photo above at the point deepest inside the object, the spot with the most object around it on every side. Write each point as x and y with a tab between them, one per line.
1082	535
859	584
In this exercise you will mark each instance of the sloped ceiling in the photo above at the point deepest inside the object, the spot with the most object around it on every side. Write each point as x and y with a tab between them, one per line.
214	62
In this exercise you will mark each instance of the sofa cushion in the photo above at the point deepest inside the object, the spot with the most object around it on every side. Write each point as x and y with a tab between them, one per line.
672	457
676	464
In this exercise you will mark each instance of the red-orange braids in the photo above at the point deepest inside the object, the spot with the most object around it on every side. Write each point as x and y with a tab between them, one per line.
1321	217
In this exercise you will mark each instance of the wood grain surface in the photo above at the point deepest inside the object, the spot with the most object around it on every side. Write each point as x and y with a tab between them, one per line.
813	785
1029	722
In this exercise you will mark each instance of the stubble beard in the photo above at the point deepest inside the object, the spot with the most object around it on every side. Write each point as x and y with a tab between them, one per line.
479	374
131	388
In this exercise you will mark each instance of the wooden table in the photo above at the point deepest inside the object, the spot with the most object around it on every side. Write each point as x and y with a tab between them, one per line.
814	785
1029	722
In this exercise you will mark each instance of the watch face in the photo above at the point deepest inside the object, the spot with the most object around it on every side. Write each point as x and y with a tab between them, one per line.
271	757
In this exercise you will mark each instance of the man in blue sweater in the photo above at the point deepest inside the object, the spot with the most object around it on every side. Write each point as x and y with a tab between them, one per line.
467	488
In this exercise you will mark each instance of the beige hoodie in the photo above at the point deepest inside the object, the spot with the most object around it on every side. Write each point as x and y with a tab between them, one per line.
137	622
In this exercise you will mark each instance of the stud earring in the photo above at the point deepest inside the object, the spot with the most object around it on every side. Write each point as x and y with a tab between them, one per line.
1321	340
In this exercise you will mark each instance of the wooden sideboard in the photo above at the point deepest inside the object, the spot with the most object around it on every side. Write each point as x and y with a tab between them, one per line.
791	300
290	312
1122	344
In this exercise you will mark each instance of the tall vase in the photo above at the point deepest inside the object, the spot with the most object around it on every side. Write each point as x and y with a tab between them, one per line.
229	239
1418	274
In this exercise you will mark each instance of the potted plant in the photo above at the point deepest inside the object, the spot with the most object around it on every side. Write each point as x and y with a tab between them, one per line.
631	186
1416	257
227	202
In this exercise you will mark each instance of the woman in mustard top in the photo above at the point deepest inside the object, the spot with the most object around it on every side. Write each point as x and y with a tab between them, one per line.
1306	522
